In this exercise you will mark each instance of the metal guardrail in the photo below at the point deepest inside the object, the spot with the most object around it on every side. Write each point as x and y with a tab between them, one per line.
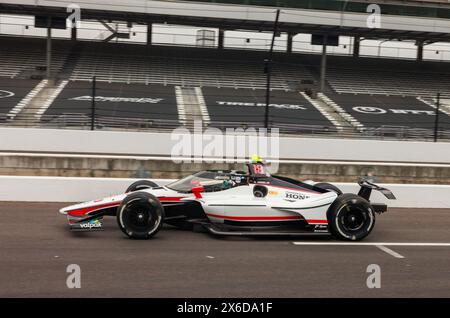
82	121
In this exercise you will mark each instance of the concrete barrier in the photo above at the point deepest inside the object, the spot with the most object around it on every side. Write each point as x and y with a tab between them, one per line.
161	144
62	189
94	166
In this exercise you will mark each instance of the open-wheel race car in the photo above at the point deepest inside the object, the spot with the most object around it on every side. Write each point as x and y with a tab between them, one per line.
235	203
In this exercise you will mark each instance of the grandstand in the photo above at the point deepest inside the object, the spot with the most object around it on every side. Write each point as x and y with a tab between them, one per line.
149	86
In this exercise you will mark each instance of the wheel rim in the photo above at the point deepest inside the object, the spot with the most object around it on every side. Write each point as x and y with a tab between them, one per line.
353	218
138	217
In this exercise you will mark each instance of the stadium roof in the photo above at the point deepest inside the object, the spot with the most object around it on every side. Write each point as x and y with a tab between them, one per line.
424	21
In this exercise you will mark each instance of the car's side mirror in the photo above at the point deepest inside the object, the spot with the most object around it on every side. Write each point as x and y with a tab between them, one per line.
197	191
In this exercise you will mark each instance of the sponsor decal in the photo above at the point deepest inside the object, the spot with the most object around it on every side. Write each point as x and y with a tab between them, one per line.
91	224
381	111
271	192
222	178
321	228
281	106
295	196
139	100
237	179
370	110
5	94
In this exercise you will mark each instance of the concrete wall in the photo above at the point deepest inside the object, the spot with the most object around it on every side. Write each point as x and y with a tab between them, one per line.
161	144
57	189
20	164
60	189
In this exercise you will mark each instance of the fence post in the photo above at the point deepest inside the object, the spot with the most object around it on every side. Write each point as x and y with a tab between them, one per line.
93	105
436	119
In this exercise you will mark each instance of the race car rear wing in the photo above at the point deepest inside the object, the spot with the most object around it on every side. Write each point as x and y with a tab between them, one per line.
367	187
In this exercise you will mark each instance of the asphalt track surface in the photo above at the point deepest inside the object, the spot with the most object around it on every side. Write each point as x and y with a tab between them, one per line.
36	248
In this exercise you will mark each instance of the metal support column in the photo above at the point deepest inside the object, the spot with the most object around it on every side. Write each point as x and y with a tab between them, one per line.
49	49
221	40
323	64
93	103
419	51
73	33
149	34
356	46
268	69
436	122
290	37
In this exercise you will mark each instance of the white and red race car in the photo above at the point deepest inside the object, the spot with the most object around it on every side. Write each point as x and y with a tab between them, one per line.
235	203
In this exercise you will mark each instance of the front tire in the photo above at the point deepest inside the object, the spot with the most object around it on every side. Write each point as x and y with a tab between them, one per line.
351	217
141	185
140	215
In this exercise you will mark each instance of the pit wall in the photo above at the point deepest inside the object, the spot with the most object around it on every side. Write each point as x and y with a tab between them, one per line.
61	189
161	144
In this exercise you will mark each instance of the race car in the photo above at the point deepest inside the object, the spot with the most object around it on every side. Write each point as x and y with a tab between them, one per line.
245	203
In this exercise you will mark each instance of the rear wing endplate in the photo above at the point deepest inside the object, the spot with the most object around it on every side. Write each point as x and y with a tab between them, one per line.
367	187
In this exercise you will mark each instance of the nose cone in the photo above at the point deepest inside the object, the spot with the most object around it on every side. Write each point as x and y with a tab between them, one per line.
68	208
84	208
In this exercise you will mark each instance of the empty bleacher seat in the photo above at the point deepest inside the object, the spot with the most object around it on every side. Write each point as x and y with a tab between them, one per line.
19	55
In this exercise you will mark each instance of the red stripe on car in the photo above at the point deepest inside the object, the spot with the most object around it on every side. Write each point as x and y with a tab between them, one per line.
166	199
84	211
317	221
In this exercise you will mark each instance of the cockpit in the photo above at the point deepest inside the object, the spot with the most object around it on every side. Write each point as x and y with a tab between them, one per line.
211	181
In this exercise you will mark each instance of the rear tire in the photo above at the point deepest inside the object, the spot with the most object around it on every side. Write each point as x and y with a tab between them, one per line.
329	187
140	215
351	217
141	185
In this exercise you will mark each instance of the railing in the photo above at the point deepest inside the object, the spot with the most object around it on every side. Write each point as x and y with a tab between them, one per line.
82	121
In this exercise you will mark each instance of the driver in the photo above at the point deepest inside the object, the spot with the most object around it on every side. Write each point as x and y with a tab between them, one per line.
216	185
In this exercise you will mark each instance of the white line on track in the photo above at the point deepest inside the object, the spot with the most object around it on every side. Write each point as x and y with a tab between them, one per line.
373	244
380	245
389	251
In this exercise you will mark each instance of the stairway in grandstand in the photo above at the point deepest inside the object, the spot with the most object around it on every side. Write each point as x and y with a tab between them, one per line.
191	106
